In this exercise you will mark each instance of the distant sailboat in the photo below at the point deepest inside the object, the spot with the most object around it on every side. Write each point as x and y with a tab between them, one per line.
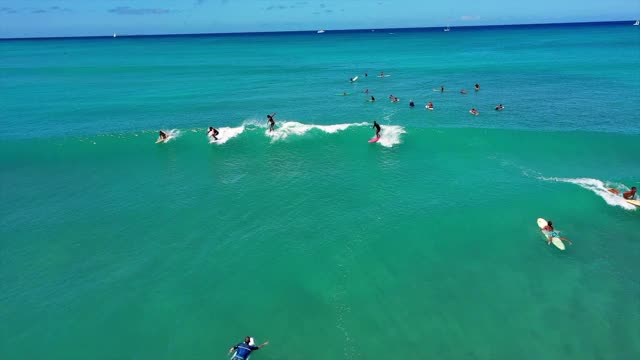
447	29
636	23
320	31
114	35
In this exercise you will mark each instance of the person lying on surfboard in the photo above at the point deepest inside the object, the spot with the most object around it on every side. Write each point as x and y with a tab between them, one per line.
213	132
377	127
629	195
271	122
499	107
553	233
243	350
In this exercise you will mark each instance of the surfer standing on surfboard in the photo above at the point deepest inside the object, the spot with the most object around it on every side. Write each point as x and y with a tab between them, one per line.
271	122
163	135
243	350
213	132
553	233
377	127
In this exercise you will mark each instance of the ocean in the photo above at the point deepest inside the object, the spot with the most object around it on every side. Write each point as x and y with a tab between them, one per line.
423	245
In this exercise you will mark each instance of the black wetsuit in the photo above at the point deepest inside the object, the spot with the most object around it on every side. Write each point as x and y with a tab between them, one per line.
377	127
272	122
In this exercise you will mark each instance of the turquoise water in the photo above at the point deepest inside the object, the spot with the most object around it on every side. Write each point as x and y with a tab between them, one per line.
423	245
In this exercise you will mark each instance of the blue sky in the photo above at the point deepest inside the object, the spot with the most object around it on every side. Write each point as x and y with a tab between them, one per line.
33	18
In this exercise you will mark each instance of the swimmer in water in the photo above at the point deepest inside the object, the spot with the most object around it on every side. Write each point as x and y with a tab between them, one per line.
477	87
213	132
271	122
372	99
411	104
377	127
463	91
244	349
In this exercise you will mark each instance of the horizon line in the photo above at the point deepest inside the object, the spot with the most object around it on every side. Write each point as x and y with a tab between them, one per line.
314	31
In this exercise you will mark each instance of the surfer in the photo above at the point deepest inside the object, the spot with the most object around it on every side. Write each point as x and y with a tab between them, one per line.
163	135
243	350
441	88
271	122
372	99
411	104
629	195
366	91
377	127
499	107
395	99
381	73
553	233
463	91
473	111
429	105
213	132
365	74
477	87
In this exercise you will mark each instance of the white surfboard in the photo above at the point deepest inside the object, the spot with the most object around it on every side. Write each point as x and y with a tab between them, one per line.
555	240
354	79
164	140
385	75
634	202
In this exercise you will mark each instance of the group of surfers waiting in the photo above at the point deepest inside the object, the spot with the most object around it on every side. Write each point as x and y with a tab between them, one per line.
429	106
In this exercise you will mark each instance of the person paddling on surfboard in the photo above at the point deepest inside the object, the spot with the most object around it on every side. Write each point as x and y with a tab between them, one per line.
377	127
629	195
271	122
499	107
244	349
553	233
213	132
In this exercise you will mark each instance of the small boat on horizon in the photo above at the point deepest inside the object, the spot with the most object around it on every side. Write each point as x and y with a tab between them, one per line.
637	23
320	31
447	29
114	35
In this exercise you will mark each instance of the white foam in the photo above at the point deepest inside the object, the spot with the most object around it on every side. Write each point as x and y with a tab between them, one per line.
598	187
225	134
390	135
287	128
